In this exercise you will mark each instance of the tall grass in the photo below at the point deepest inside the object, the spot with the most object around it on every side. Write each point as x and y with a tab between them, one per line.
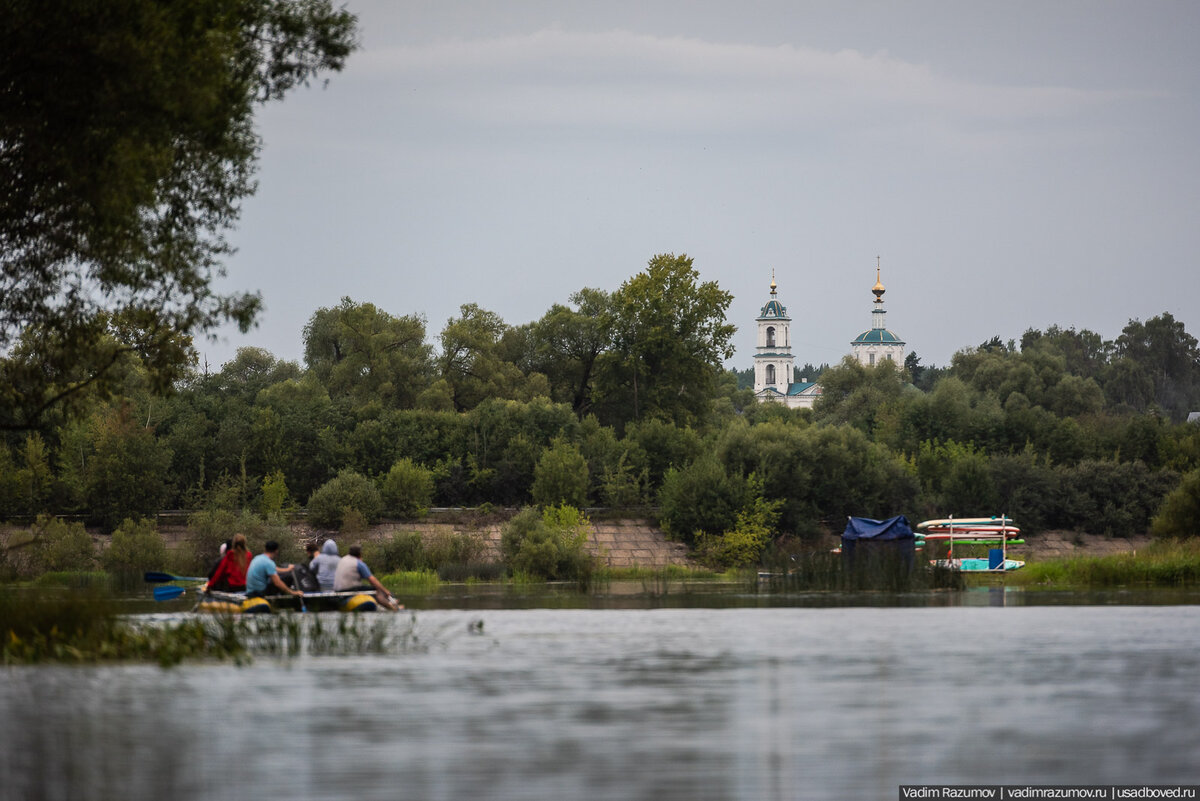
83	626
825	571
1167	563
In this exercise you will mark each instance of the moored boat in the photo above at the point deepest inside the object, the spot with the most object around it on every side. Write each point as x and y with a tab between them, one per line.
233	603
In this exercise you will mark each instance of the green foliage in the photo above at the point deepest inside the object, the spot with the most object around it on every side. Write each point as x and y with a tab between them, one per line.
548	544
61	546
669	339
1179	515
561	476
1165	563
135	547
1107	497
700	497
274	496
347	491
129	144
403	551
407	489
566	344
472	362
743	544
211	527
445	548
361	352
126	475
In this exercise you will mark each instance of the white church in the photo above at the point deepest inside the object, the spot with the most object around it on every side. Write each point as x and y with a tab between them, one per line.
774	365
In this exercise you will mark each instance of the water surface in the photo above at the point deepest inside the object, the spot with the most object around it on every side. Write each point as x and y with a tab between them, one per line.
724	701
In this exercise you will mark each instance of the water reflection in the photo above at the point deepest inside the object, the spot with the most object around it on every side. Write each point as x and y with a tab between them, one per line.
752	701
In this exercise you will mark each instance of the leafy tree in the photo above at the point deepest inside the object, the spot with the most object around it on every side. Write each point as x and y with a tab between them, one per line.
290	430
126	476
548	543
1179	515
136	546
361	352
346	492
669	340
407	489
752	530
561	476
701	497
566	344
472	363
1170	357
127	141
274	495
61	546
856	394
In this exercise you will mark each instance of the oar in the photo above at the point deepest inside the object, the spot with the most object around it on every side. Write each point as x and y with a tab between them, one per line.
162	578
167	593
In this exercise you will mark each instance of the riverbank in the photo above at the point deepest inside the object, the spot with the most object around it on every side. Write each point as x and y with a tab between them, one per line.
633	541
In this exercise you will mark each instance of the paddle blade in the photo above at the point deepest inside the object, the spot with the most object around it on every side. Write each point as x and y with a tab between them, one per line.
167	593
155	577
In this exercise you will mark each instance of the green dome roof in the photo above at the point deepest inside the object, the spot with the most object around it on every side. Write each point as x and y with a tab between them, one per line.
877	336
774	310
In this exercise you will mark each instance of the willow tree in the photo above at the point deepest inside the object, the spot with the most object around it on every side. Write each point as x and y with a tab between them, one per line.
127	144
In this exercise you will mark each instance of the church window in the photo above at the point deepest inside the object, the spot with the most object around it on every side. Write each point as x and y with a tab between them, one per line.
770	374
770	337
872	359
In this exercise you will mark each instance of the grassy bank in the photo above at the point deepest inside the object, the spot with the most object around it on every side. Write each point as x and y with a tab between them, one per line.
1169	563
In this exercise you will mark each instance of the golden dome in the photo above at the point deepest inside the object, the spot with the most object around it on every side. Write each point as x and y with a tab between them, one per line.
878	289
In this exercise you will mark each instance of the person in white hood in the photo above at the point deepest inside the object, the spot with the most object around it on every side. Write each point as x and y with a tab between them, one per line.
324	565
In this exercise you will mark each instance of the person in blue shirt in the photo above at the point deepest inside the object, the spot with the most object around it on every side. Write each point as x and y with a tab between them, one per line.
262	577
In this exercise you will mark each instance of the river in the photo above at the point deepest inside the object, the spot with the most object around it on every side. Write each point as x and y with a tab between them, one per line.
734	696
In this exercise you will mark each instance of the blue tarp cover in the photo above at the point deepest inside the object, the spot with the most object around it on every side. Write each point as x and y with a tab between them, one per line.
894	528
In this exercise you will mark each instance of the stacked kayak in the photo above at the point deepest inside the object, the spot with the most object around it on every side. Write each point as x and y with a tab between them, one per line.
995	532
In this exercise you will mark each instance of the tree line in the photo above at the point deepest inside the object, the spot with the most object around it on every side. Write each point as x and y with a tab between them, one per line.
618	399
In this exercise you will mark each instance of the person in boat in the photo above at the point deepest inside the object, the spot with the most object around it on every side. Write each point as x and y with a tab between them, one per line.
262	577
230	575
220	556
353	574
325	564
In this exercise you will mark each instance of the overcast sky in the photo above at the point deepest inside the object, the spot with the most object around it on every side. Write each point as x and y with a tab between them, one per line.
1013	164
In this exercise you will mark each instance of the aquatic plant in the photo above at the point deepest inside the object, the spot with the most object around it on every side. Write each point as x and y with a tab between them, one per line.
822	570
83	626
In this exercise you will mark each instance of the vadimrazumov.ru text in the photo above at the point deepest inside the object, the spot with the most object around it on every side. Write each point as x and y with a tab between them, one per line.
1015	791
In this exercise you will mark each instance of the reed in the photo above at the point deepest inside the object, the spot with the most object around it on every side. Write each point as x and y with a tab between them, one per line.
1167	563
824	571
84	626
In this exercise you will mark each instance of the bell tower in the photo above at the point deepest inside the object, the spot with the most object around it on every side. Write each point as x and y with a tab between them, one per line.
773	361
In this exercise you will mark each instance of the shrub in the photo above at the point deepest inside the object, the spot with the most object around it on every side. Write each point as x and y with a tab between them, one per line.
347	490
453	548
561	476
136	546
208	529
701	497
403	551
61	546
621	487
126	475
744	543
548	544
407	489
274	495
1179	515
